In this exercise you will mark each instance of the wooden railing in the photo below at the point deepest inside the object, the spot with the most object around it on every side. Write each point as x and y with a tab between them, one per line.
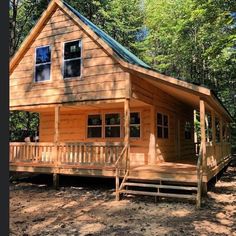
122	162
215	154
89	154
98	154
32	152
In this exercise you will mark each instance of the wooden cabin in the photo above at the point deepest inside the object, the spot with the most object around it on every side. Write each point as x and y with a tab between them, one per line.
105	113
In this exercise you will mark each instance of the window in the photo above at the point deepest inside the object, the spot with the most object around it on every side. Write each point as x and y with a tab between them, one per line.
72	59
112	125
135	124
162	126
94	126
42	63
187	130
217	128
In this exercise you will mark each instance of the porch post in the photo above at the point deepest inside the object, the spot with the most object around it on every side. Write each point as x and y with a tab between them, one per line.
56	124
203	144
56	140
203	132
127	120
213	128
221	137
152	141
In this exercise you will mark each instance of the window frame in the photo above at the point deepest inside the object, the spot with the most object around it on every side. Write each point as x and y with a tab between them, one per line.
162	126
140	115
63	59
88	126
35	65
120	125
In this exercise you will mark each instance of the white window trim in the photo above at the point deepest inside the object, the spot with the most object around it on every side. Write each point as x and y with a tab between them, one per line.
35	56
63	60
140	115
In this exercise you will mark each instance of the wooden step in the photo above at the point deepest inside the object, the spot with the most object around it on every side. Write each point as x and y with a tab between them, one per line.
160	186
135	192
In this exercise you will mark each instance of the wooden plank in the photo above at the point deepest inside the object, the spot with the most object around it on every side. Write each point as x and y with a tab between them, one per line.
57	123
203	132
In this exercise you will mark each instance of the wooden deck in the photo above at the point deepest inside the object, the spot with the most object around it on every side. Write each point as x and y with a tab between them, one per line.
99	160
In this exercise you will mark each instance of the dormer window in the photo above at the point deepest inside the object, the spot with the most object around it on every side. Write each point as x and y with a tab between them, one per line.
42	63
72	59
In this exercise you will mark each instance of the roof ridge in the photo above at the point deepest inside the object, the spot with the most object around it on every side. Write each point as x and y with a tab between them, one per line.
119	49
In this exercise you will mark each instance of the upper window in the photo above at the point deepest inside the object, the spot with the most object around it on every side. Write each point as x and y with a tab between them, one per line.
72	59
112	125
135	124
162	126
94	126
43	63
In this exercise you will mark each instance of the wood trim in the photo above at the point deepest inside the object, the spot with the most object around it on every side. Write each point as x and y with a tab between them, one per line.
203	132
57	124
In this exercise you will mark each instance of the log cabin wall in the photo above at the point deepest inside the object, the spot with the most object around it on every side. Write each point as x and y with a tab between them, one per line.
73	128
101	76
176	147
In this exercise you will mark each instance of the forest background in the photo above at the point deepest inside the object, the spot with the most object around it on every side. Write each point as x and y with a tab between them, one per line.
192	40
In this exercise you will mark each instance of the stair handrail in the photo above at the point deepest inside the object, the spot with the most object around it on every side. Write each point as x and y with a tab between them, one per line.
199	178
121	155
119	159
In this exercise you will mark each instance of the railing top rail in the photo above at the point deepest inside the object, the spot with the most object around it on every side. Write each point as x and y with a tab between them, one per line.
31	143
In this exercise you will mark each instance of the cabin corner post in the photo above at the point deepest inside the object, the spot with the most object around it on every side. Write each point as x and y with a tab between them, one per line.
203	164
56	140
127	129
152	140
213	128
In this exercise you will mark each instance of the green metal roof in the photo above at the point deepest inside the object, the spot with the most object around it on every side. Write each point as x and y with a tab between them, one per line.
121	51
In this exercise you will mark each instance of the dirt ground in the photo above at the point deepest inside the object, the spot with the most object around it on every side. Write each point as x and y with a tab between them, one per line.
87	207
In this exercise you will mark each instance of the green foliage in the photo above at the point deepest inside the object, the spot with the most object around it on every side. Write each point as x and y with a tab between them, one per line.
23	124
194	40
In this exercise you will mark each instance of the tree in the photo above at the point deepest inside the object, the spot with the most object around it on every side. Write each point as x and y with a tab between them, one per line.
194	40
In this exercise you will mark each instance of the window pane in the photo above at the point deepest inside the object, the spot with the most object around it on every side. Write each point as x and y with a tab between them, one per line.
94	120
165	132
135	118
135	131
94	132
72	50
72	68
159	132
43	55
165	120
112	132
112	119
159	119
42	72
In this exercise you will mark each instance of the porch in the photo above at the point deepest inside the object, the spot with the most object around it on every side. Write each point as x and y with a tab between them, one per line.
102	159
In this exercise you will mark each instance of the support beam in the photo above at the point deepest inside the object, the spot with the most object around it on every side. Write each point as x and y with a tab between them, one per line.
152	141
56	124
213	128
127	121
203	133
127	128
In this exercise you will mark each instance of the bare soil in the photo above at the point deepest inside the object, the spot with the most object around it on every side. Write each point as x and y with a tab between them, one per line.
87	207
